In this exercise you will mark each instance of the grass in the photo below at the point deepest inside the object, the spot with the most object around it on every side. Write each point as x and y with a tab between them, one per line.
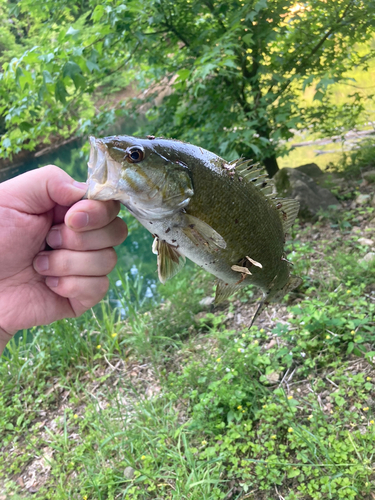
181	402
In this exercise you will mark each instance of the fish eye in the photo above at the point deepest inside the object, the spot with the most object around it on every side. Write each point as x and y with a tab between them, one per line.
135	155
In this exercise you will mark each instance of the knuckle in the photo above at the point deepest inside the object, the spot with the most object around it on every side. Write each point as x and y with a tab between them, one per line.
53	169
79	241
64	263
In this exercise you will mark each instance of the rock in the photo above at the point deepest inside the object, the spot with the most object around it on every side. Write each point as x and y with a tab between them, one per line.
369	258
362	199
369	176
129	472
366	242
292	183
311	169
207	301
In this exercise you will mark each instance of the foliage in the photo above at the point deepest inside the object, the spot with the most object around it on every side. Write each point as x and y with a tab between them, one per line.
233	70
360	159
196	409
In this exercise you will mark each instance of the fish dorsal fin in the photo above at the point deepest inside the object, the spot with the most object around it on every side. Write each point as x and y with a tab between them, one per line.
256	174
170	261
288	210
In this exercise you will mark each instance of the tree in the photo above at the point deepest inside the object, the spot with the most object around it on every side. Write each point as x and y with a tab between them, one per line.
236	68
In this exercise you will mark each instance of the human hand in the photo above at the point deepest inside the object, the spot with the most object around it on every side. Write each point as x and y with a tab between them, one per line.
39	286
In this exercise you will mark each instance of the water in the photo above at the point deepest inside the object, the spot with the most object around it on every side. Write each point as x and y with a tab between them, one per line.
135	257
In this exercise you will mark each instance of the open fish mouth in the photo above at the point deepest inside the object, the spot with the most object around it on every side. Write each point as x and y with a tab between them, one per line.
103	173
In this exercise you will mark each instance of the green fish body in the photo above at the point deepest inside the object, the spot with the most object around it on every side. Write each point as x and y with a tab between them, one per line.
223	216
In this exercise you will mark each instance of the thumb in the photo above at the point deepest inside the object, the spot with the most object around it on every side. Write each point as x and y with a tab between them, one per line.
39	190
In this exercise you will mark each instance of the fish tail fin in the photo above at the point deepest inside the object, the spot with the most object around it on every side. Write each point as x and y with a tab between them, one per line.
276	296
262	306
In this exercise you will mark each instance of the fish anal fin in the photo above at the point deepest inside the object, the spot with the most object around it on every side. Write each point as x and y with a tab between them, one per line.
170	261
225	290
202	234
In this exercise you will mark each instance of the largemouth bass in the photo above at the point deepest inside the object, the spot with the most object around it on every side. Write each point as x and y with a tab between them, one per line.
223	216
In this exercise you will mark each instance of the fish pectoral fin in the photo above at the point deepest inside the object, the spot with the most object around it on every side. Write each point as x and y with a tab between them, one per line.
224	291
202	234
170	261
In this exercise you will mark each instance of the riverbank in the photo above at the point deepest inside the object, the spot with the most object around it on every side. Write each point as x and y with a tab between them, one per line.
184	401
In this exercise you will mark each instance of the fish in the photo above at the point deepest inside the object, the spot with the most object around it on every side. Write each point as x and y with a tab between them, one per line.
224	216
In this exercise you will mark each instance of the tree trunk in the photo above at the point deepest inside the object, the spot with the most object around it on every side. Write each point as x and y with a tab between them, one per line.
271	165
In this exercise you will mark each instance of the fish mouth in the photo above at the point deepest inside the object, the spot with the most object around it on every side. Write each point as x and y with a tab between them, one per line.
103	173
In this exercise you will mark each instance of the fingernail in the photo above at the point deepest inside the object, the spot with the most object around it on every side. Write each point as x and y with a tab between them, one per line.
54	239
80	185
52	281
79	220
41	263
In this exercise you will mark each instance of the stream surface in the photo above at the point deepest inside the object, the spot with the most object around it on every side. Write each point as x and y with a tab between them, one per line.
136	262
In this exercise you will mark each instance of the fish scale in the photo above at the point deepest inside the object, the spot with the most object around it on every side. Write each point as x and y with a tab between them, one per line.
223	216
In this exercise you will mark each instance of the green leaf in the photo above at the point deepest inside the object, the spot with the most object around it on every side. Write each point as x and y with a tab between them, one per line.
97	13
47	78
293	473
183	74
91	66
20	419
357	352
79	81
255	149
25	126
340	401
72	31
60	91
71	69
248	39
230	415
318	96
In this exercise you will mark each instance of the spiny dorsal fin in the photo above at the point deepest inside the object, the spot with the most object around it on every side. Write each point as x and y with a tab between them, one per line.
256	174
288	210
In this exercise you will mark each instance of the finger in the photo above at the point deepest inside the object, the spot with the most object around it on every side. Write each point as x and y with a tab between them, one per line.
109	236
91	214
83	292
39	190
72	263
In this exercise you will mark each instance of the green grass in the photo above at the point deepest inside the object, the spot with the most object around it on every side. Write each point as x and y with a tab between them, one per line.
172	404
